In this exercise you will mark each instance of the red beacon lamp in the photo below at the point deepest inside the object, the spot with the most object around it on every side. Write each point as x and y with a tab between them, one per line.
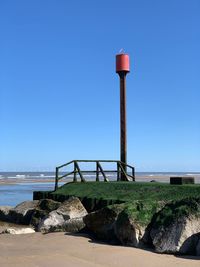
122	63
122	68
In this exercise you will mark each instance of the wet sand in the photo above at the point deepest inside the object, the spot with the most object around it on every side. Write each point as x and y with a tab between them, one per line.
61	250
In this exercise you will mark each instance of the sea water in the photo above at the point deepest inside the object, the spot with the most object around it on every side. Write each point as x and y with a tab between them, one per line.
16	187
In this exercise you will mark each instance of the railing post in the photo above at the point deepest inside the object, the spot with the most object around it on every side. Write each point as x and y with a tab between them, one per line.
118	174
133	174
124	176
56	181
75	178
123	171
79	171
101	169
97	172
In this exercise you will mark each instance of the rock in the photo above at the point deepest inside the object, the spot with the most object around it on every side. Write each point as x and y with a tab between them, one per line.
131	226
44	207
23	212
128	231
48	205
198	248
13	231
57	219
101	222
5	213
37	218
52	221
72	208
174	226
74	225
190	245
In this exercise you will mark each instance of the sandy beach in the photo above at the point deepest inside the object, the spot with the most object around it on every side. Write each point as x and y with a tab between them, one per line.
61	250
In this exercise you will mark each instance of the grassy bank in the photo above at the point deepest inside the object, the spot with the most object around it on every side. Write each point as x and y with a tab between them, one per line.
130	191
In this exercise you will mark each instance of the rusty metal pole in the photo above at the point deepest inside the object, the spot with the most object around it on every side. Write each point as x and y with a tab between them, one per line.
123	134
122	68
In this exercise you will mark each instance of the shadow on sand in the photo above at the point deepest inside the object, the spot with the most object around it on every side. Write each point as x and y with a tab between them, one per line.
92	239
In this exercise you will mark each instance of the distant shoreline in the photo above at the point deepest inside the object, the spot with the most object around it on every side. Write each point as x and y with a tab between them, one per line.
48	177
17	189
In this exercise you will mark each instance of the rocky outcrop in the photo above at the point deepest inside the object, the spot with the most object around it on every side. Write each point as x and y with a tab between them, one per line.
14	231
63	218
175	226
123	223
170	228
22	213
28	212
47	215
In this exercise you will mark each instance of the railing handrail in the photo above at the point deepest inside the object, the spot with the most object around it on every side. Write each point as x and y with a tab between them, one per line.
121	170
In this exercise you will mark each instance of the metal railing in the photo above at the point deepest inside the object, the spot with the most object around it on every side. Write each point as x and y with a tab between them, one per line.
121	171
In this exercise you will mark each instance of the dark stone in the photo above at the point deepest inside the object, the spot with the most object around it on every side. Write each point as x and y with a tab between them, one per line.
37	217
173	226
101	223
5	213
23	212
48	205
127	230
181	180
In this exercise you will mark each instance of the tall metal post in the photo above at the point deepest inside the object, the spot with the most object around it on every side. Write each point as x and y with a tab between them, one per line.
122	68
123	135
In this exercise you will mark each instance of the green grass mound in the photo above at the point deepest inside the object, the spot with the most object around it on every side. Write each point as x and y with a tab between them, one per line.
176	210
129	191
139	212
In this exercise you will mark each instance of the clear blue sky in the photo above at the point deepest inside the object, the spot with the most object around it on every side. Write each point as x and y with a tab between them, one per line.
60	94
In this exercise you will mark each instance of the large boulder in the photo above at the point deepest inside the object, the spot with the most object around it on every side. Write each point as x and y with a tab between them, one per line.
123	223
128	230
23	212
44	207
175	225
57	220
5	213
132	223
101	222
50	222
72	208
